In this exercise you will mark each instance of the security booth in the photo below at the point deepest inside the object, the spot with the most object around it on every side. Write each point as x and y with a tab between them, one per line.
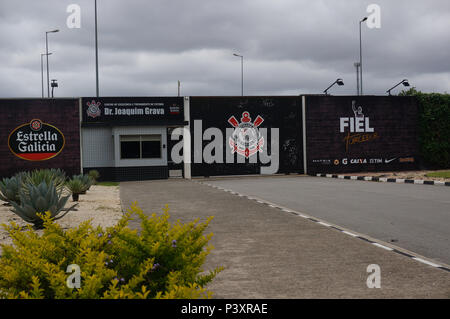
126	138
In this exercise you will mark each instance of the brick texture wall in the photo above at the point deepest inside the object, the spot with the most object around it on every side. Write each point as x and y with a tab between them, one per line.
61	113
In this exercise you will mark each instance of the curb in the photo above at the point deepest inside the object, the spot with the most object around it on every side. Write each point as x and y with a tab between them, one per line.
385	179
368	239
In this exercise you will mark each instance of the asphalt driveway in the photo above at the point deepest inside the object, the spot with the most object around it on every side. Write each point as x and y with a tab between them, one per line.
269	253
414	217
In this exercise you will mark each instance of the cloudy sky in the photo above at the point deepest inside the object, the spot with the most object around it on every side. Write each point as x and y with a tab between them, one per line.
290	47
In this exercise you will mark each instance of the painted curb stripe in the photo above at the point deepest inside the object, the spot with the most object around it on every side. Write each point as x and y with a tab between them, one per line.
348	233
324	224
426	262
385	180
402	253
365	239
382	246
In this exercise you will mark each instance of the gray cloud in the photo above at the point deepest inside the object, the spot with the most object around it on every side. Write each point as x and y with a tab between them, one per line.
289	46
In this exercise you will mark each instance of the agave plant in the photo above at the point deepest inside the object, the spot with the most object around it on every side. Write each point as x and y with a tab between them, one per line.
40	199
76	187
9	189
57	177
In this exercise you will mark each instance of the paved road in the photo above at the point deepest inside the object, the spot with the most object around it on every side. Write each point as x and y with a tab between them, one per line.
268	253
414	217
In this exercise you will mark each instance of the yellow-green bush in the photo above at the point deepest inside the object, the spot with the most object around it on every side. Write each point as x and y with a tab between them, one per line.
161	260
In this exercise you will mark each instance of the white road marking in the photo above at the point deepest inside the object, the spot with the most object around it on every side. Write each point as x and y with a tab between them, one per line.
426	262
348	233
381	246
324	224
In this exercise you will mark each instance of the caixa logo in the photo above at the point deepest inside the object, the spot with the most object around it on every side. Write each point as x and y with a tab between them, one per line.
36	141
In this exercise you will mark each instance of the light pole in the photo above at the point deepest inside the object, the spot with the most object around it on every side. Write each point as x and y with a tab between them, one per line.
356	64
242	72
339	82
54	85
46	52
360	57
42	73
96	51
405	82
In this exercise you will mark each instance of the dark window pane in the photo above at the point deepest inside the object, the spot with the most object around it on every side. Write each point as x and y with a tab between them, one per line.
151	149
129	149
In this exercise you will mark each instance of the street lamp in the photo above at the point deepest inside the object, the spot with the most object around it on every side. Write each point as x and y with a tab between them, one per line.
42	73
356	64
405	82
54	85
339	82
96	51
360	56
242	72
46	52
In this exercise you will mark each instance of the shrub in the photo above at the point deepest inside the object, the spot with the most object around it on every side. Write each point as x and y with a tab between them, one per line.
94	174
434	127
163	260
86	180
39	199
76	187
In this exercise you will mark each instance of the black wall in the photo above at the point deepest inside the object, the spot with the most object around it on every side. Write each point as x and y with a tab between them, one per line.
278	112
393	144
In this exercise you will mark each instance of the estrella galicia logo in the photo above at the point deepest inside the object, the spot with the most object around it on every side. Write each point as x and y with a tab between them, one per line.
36	141
93	109
246	139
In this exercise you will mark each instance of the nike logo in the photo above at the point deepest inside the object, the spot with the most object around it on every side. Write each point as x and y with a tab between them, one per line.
388	161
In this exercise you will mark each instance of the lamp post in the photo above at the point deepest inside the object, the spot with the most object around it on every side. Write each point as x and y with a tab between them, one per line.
356	64
54	85
242	72
42	73
360	57
46	52
339	82
96	52
405	82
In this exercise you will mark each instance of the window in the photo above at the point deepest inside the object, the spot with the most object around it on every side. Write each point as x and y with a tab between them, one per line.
140	146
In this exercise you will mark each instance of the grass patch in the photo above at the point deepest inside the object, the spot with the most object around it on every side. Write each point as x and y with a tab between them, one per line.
443	174
108	183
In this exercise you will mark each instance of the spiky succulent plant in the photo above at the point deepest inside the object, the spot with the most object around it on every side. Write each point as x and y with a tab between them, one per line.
87	181
57	177
76	186
9	189
39	199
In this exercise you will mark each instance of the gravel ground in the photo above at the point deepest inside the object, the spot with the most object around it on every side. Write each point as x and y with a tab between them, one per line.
101	204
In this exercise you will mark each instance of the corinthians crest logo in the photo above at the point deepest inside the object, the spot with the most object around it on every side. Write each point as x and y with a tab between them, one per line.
246	139
93	109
